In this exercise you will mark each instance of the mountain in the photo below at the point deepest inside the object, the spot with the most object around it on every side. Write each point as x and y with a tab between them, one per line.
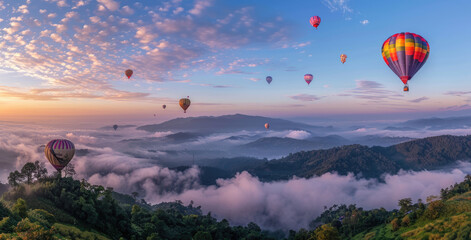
228	123
433	124
371	162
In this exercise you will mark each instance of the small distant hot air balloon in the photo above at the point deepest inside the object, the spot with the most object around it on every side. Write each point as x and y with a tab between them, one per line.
59	152
184	103
267	125
115	127
269	79
164	106
128	73
343	58
405	54
308	78
315	21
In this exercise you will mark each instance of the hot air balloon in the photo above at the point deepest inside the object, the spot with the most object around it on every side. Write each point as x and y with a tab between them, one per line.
128	73
315	21
405	54
267	125
308	78
59	152
185	103
343	58
115	127
164	106
269	79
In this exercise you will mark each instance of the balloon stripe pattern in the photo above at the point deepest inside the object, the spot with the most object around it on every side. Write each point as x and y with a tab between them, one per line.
184	104
315	21
59	152
308	78
405	54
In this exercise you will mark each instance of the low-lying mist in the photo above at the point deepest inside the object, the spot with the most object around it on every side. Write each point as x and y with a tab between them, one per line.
112	160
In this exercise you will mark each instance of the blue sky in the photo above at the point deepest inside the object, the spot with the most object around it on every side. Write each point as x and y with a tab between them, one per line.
64	54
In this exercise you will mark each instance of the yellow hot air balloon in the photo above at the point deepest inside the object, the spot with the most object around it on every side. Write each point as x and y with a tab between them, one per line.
343	58
185	103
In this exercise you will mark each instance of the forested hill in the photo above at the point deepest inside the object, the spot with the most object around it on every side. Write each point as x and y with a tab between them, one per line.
427	153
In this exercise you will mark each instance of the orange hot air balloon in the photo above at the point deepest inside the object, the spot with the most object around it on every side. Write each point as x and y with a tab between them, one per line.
128	73
267	125
185	103
343	58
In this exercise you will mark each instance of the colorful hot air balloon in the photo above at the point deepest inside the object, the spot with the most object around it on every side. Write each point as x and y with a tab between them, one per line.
115	127
405	54
164	106
308	78
185	103
59	152
267	125
128	73
269	79
315	21
343	58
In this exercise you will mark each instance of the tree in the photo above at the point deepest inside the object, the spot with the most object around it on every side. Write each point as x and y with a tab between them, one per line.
69	170
405	204
202	236
19	208
434	209
406	221
40	170
395	224
28	170
326	232
15	178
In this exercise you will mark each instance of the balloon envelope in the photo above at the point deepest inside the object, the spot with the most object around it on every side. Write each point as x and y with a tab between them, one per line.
115	127
315	21
164	106
128	73
405	54
59	152
269	79
184	104
308	78
343	58
267	125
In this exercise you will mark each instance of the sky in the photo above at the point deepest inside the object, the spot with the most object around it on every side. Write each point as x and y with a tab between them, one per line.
64	60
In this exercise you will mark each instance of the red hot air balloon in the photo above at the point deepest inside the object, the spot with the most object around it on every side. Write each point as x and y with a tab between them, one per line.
128	73
308	78
59	152
315	21
405	54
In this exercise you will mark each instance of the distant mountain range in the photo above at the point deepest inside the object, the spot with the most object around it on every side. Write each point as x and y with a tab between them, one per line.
228	123
433	124
371	162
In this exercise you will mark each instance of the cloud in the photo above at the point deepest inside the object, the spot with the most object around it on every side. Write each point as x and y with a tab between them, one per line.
305	97
372	91
338	5
364	22
109	4
298	134
89	49
417	100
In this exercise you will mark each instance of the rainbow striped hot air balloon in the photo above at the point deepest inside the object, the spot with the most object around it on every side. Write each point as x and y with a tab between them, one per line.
59	152
405	54
315	21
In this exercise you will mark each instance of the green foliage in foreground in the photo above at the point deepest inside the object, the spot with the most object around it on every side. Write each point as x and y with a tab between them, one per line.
53	208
